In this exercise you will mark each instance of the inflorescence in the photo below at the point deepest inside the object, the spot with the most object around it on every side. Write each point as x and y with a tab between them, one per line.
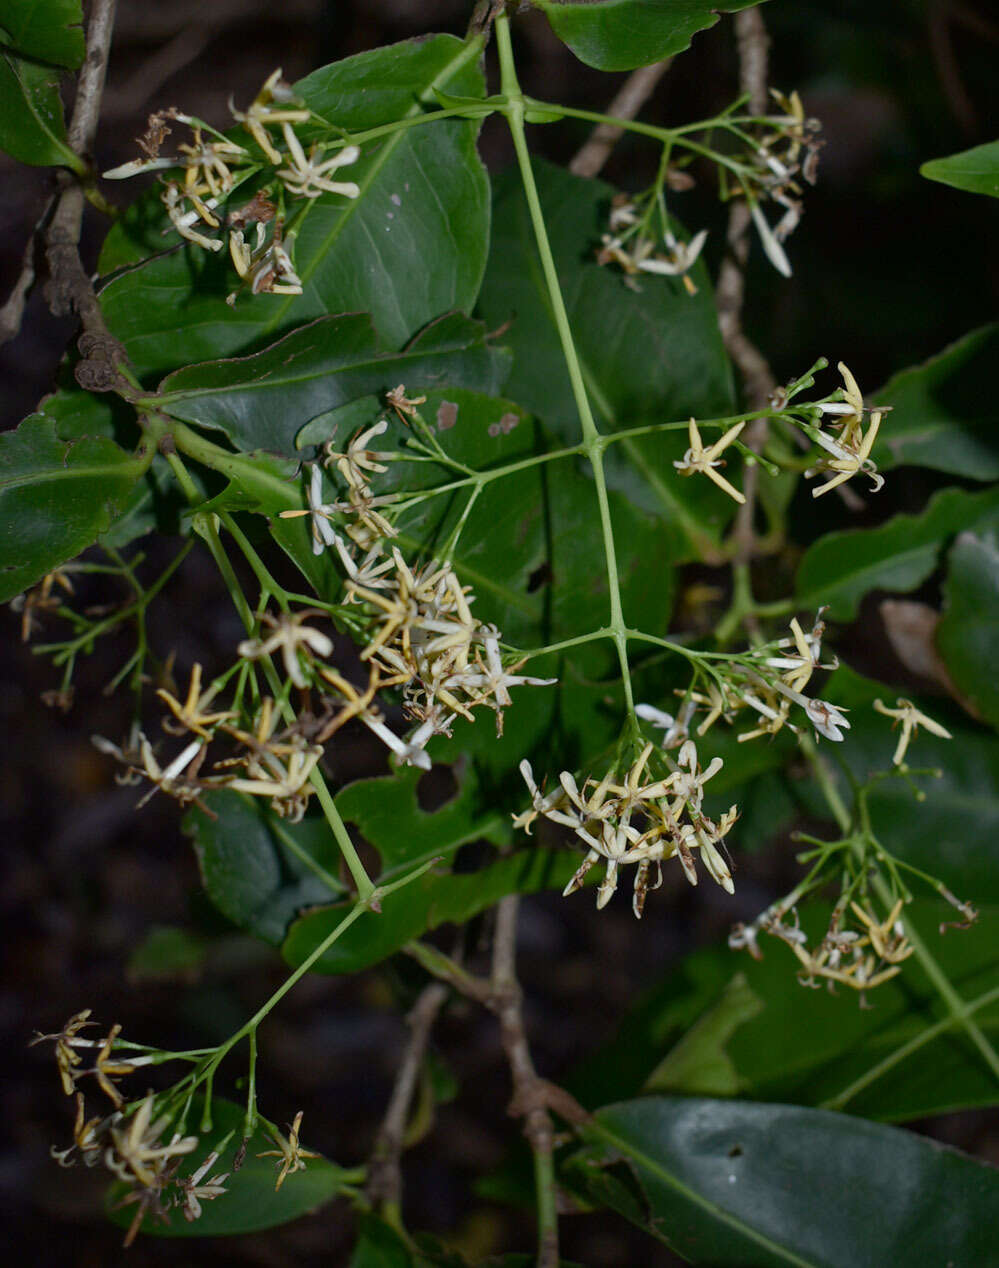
214	166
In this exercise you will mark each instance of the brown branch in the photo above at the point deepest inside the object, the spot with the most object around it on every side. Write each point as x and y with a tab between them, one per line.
12	312
70	290
634	93
384	1172
757	378
530	1094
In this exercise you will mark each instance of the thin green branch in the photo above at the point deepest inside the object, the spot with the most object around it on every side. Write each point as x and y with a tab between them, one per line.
906	1050
593	442
956	1006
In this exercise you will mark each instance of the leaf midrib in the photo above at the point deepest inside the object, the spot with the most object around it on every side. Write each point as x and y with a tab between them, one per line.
630	1152
241	387
464	53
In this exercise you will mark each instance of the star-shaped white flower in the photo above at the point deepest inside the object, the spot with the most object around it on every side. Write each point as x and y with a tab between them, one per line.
697	458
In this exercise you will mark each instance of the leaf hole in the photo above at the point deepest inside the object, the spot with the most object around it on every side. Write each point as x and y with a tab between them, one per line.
474	856
435	788
735	1151
539	577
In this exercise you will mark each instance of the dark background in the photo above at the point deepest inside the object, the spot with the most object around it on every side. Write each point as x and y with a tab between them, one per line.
888	269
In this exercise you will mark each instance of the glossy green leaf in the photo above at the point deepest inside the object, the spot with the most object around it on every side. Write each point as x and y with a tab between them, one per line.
32	129
387	814
954	833
725	1024
263	401
750	1186
258	869
968	634
50	30
945	413
975	170
424	198
623	34
840	568
250	1202
651	357
56	497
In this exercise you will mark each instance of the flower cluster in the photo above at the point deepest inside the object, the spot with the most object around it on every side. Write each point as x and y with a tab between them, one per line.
789	148
274	763
849	453
129	1140
783	146
138	1142
765	680
639	819
634	247
422	636
861	957
213	166
846	448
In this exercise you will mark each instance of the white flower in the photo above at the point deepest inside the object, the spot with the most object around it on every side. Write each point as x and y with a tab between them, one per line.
410	753
289	635
322	531
195	1192
911	719
307	176
182	220
774	251
682	256
262	113
676	730
266	266
697	458
688	784
827	719
137	1155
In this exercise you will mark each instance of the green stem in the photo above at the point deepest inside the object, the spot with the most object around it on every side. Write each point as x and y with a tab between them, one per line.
565	644
109	623
593	443
904	1051
957	1007
311	959
205	525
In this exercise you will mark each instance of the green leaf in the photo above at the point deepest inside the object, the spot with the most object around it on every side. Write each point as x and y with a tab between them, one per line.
379	1245
968	634
538	587
56	497
840	568
31	123
623	34
263	401
427	903
258	869
954	833
387	814
50	30
945	414
650	357
699	1063
760	1034
167	954
250	1202
424	197
750	1186
975	170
